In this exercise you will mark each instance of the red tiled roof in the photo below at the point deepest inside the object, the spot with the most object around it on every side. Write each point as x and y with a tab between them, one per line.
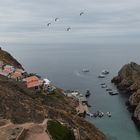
33	81
16	74
34	84
8	70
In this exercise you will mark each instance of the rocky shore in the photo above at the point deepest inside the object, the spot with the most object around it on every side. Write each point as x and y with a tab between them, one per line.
128	81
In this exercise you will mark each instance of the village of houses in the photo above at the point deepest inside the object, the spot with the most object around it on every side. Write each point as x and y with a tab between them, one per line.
34	82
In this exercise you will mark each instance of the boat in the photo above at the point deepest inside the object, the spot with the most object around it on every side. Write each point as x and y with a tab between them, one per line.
89	114
108	89
100	114
105	72
108	114
110	92
95	114
80	95
101	76
104	86
85	70
113	93
87	93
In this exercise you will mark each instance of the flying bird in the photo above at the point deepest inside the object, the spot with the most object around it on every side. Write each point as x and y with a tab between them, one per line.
56	19
48	24
68	29
81	13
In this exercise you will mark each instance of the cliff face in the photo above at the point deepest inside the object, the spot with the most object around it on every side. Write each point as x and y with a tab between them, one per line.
128	79
8	59
22	105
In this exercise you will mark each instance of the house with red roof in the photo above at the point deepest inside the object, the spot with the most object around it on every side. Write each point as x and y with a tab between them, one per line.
33	82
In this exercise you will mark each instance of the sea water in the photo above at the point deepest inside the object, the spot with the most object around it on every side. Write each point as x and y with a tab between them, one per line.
63	64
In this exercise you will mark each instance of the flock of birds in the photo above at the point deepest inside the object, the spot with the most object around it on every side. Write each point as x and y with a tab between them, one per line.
57	19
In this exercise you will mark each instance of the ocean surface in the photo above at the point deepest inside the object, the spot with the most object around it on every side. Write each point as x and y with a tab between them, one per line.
63	64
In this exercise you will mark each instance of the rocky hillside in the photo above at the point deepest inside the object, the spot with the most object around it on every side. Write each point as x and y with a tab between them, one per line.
8	59
22	105
128	80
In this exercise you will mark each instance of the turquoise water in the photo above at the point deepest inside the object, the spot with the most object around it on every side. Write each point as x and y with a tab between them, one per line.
63	64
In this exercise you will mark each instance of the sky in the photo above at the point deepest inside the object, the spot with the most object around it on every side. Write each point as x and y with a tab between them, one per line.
104	21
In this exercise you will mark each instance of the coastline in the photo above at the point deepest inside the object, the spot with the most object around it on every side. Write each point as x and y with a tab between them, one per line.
52	105
129	85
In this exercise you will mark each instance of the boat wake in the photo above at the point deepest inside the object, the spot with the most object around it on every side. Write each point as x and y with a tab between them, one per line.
78	74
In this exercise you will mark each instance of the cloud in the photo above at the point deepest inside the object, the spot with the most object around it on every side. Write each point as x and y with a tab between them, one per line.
103	21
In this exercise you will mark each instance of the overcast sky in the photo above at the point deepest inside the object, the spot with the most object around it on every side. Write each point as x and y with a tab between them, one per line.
25	21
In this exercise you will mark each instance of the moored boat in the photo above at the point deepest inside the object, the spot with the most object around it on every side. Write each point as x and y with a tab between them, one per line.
101	76
108	89
85	70
87	93
108	114
104	86
105	72
113	93
89	114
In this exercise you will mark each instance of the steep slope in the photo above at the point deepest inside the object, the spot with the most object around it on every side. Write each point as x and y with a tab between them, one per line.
22	105
8	59
128	80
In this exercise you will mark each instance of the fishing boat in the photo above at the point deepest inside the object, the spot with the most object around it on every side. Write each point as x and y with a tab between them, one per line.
108	89
104	86
113	93
101	76
108	114
85	70
105	72
87	93
89	114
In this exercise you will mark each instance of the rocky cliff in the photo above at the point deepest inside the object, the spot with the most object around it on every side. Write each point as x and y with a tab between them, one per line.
128	80
21	105
8	59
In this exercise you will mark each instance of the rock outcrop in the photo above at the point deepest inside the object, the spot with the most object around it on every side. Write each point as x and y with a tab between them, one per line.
128	80
9	59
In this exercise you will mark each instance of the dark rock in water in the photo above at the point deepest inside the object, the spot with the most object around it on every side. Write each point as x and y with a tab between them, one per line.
128	80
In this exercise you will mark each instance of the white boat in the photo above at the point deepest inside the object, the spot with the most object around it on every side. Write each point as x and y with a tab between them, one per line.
116	92
105	72
113	93
85	70
89	114
101	76
104	86
108	114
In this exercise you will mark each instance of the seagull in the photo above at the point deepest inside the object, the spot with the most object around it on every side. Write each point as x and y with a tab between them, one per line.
68	29
56	19
81	13
48	24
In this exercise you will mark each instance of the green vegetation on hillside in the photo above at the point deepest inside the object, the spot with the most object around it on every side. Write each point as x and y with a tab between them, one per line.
59	132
